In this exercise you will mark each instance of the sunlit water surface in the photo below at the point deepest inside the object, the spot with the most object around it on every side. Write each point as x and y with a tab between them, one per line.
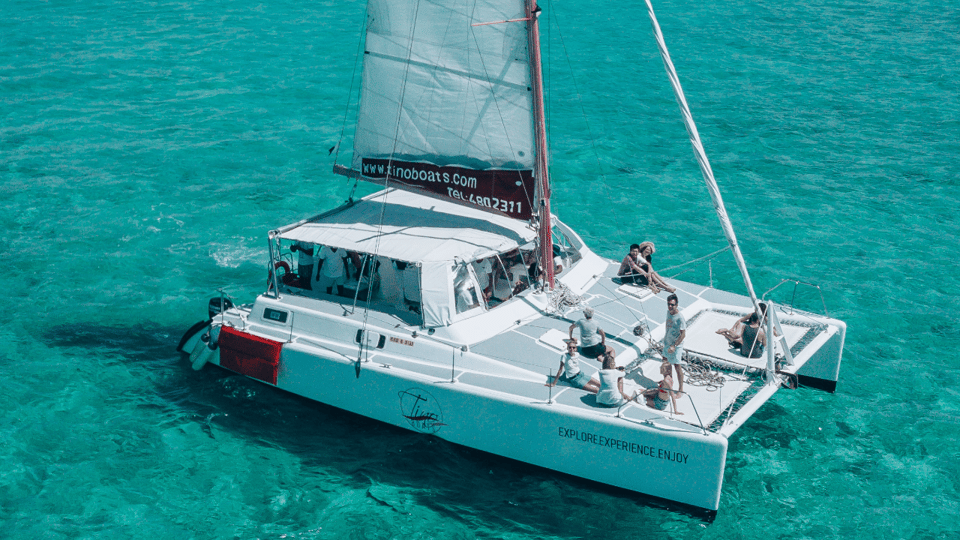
147	147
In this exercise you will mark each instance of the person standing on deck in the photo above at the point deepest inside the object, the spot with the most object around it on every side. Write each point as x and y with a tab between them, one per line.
592	336
673	337
332	269
304	263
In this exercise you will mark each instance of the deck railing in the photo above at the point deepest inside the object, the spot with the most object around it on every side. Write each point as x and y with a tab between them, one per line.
793	297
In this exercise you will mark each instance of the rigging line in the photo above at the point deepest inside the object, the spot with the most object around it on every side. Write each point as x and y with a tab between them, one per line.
549	107
710	256
618	298
576	88
386	179
496	104
353	78
715	359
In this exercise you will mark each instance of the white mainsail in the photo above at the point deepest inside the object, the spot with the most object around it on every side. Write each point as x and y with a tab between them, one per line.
446	102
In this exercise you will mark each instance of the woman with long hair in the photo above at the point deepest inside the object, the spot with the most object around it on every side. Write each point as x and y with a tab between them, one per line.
647	249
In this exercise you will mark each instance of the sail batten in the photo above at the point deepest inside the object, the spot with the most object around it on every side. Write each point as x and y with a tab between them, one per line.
459	73
448	103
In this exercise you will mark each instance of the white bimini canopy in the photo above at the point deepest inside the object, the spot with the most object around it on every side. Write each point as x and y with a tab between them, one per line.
438	236
411	227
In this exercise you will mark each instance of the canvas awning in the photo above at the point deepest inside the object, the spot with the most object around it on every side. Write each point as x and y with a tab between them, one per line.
411	227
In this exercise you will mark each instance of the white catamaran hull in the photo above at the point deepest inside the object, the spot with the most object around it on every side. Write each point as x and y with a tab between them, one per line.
679	464
412	380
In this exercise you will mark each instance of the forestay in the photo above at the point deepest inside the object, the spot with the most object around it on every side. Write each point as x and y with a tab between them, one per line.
446	101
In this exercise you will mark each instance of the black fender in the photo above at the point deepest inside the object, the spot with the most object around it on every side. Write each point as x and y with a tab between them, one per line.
198	327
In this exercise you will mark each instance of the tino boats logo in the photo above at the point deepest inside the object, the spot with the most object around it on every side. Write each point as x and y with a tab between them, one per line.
422	410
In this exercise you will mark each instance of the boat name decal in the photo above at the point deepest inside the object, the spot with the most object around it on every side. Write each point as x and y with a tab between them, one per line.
503	190
401	341
421	410
625	446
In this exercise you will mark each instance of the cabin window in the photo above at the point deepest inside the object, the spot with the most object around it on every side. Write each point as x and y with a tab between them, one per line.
565	252
510	276
502	276
387	284
466	290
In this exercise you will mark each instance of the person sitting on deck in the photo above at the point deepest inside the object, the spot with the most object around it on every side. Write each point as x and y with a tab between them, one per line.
630	269
570	372
593	337
647	250
750	339
659	396
756	336
611	384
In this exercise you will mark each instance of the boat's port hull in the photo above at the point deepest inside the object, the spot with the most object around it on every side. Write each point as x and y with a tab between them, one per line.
681	465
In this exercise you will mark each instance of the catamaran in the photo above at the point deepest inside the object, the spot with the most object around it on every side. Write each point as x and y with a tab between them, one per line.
442	303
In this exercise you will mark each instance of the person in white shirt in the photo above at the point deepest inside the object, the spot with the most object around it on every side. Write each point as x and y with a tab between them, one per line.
676	331
466	295
484	271
332	269
571	373
611	384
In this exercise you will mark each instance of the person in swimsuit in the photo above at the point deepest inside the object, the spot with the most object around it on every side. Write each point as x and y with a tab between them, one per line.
571	373
661	395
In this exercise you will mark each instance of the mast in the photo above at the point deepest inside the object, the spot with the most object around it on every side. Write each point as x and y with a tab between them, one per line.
540	134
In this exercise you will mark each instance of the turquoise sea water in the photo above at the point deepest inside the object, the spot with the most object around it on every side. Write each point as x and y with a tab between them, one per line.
147	147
